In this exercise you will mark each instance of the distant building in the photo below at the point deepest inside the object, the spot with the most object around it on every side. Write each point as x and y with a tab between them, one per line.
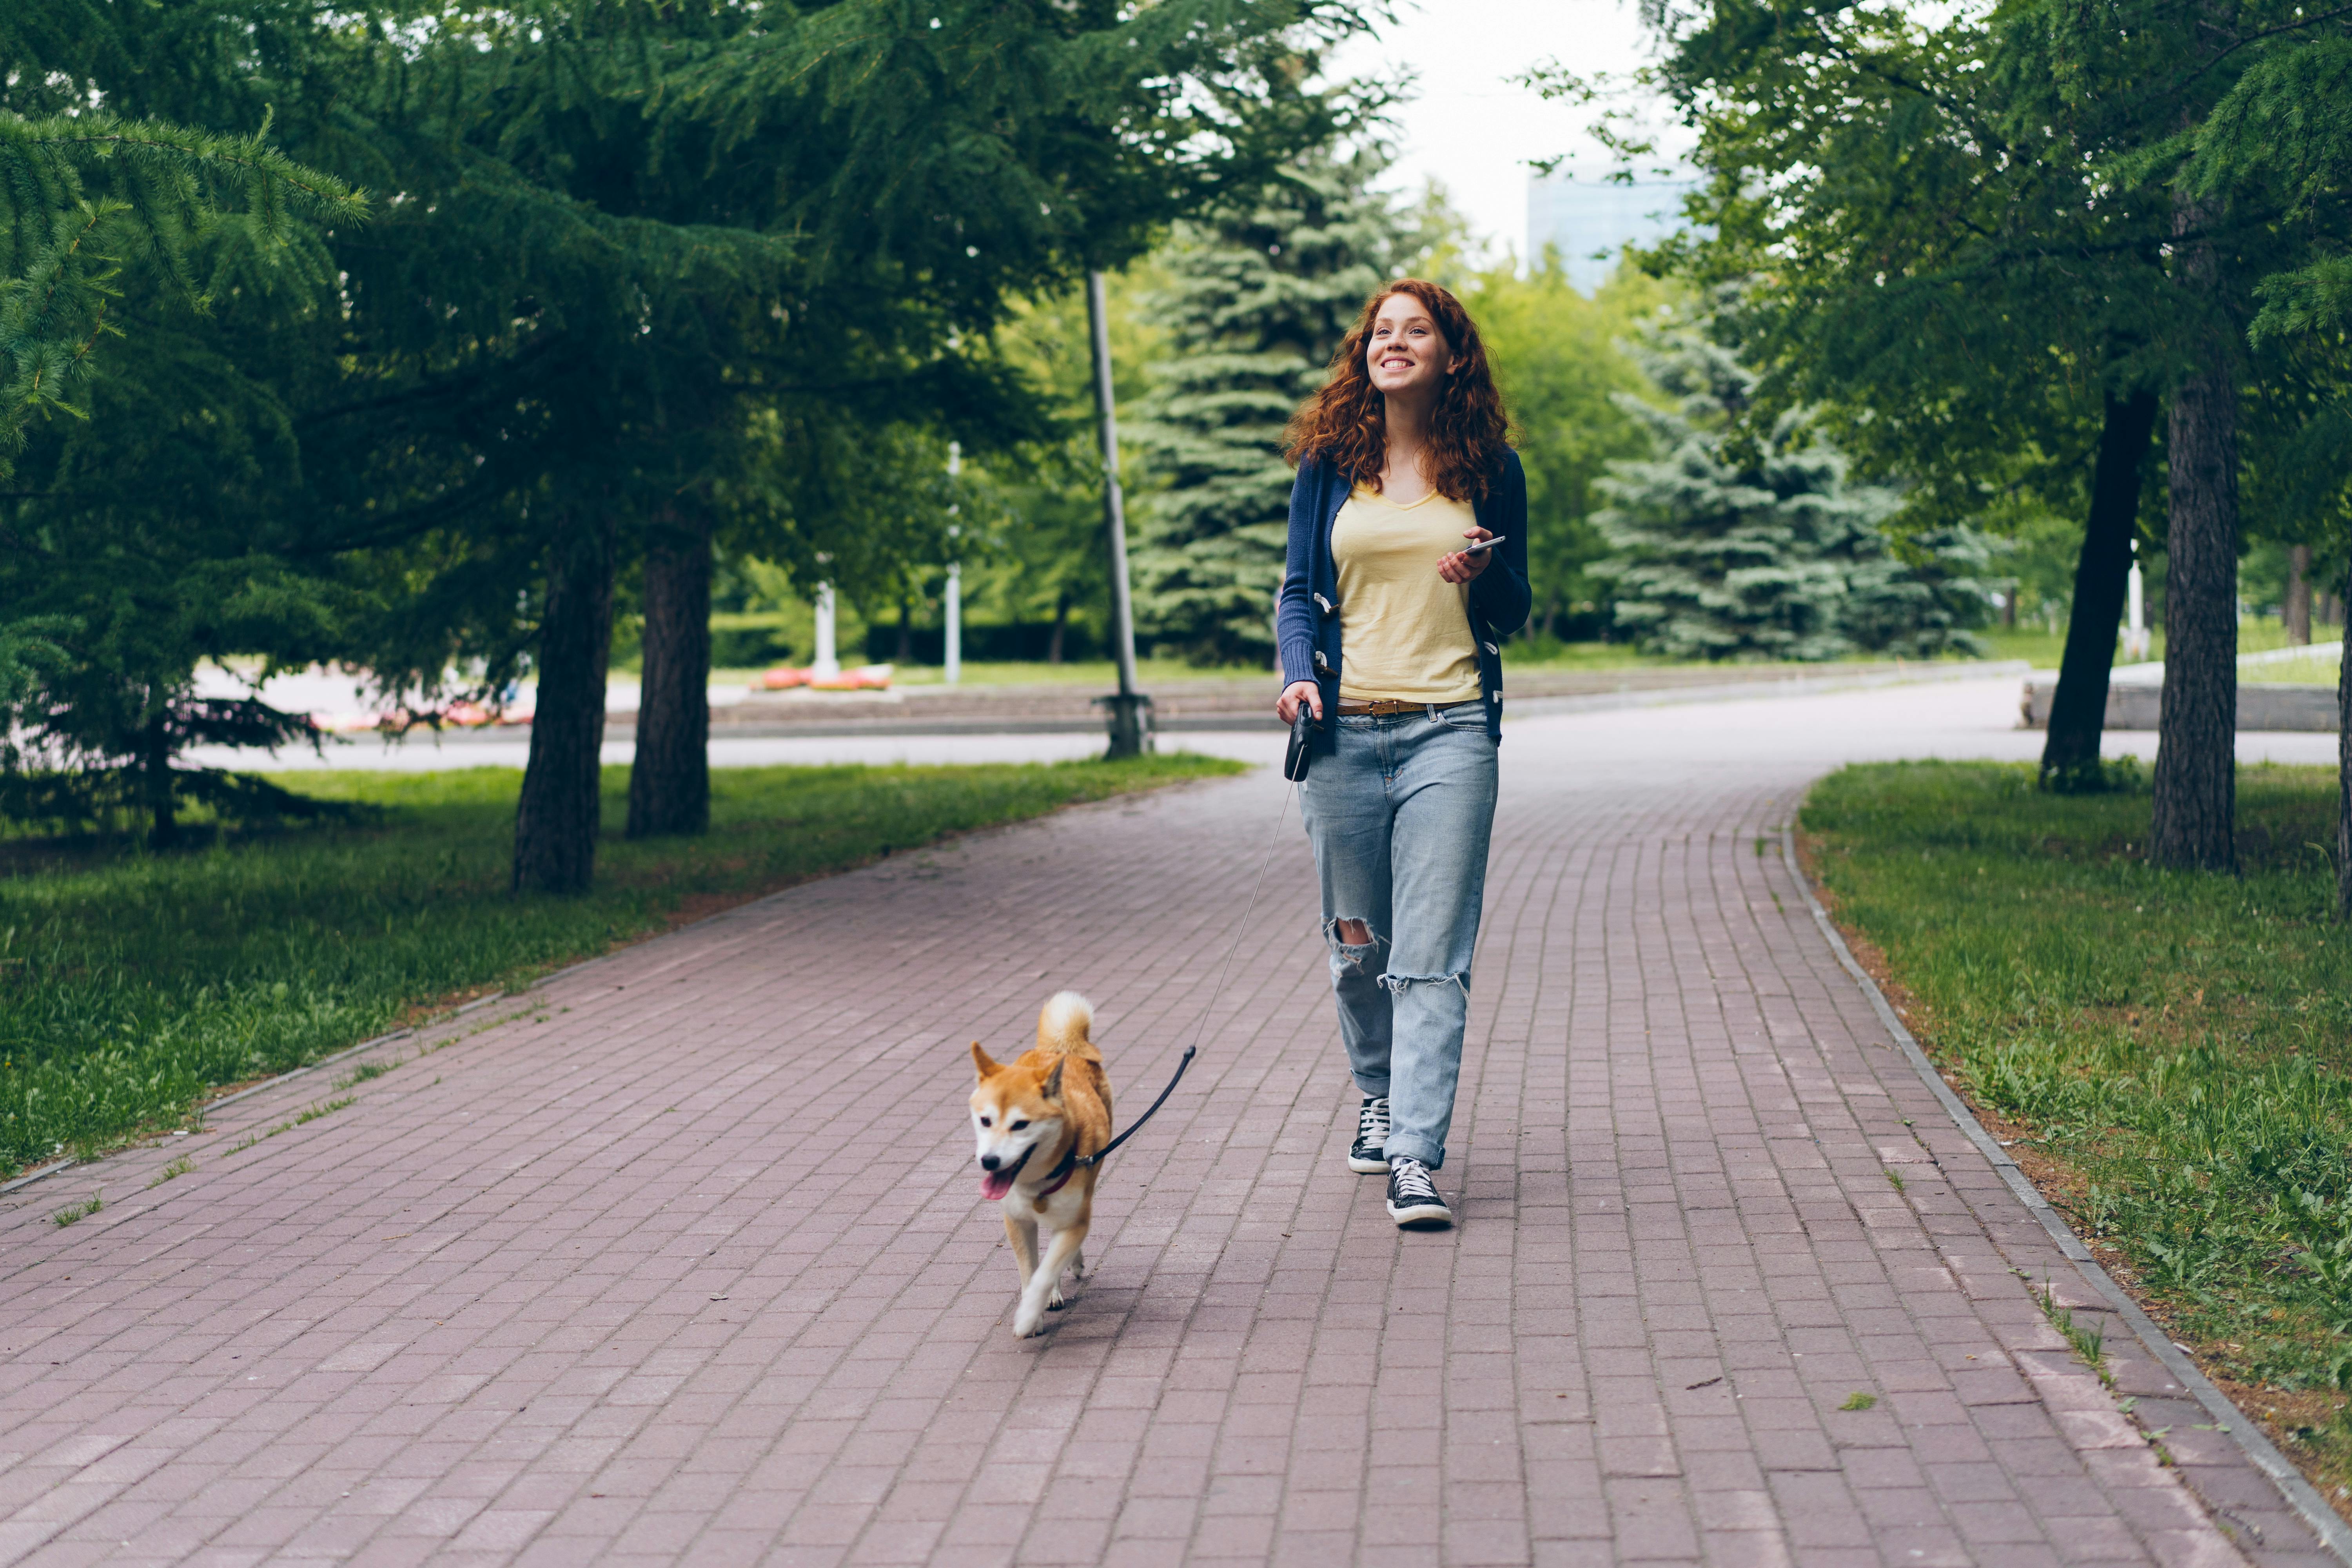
1592	221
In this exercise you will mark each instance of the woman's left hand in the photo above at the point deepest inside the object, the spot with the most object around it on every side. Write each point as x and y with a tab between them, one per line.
1462	568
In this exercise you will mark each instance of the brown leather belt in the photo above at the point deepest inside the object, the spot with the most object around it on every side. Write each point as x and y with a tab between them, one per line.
1387	706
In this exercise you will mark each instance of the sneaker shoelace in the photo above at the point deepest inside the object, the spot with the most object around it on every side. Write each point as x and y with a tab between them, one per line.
1373	1123
1412	1180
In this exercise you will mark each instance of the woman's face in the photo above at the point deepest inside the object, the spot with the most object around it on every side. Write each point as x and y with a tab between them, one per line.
1406	353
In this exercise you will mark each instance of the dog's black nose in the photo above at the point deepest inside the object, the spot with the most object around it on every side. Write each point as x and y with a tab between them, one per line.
990	1161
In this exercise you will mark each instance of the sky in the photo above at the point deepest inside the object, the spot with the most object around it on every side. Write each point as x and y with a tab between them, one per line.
1470	128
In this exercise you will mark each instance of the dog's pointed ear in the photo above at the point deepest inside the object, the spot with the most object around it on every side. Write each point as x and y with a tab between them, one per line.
981	1060
1052	1087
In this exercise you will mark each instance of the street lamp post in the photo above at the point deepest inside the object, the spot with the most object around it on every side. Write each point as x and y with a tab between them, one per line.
1130	711
954	672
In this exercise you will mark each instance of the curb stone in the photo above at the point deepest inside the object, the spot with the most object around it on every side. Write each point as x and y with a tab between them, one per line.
2333	1533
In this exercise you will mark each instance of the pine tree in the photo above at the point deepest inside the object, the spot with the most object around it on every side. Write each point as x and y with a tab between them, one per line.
1260	293
624	247
1723	552
816	216
1921	599
125	240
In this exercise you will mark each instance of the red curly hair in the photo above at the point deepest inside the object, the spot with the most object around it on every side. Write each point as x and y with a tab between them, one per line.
1346	423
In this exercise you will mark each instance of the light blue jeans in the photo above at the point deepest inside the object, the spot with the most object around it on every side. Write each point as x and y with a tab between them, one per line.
1400	815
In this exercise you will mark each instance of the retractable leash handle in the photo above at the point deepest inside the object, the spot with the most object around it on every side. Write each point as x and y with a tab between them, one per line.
1301	755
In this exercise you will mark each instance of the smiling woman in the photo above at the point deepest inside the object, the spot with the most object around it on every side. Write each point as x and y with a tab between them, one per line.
1402	458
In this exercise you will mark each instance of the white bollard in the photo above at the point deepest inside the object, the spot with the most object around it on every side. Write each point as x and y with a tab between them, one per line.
825	664
955	621
2135	638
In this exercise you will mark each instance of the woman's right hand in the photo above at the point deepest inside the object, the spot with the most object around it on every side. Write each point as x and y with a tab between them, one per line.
1285	707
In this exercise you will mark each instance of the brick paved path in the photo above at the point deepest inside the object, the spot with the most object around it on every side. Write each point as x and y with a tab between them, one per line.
682	1258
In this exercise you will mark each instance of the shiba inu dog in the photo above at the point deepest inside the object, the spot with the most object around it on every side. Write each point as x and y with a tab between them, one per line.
1036	1118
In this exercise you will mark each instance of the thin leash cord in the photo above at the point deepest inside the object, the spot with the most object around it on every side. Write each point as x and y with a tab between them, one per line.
1266	862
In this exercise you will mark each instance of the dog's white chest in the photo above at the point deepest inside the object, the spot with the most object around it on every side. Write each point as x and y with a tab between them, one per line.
1055	1211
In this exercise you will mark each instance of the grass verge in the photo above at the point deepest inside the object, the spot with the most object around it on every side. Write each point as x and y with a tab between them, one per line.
132	985
2169	1048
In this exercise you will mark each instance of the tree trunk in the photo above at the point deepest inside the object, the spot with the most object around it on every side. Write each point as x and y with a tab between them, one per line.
557	820
669	782
2078	709
162	810
2197	731
1061	627
2298	595
2343	772
906	632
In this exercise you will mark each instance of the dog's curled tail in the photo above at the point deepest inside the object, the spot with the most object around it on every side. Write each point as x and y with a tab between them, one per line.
1065	1025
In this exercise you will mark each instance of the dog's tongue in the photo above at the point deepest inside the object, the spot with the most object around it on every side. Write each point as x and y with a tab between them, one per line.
995	1184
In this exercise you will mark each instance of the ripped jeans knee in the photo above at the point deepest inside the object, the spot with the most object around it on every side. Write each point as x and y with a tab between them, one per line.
1398	983
1362	955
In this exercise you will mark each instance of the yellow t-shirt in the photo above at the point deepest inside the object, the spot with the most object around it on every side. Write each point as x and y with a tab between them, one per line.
1404	630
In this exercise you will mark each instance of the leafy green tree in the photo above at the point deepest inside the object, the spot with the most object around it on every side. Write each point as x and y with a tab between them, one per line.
1258	293
1045	558
1562	364
1996	244
1724	548
2279	143
1952	312
903	176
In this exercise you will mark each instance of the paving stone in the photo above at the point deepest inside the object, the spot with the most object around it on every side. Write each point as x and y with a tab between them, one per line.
680	1258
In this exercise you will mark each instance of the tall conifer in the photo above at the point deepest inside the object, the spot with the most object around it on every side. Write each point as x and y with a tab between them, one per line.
1260	291
1726	548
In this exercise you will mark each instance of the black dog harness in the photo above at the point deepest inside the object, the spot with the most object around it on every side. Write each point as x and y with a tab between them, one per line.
1059	1176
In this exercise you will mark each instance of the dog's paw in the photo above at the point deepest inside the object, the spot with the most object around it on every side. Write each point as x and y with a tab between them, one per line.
1054	1302
1027	1322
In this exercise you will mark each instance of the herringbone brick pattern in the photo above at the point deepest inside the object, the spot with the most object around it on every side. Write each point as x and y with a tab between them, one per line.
681	1259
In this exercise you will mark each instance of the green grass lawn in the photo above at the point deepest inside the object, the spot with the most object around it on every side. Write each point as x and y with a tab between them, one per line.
2174	1047
2256	634
132	984
1095	674
2043	649
2313	669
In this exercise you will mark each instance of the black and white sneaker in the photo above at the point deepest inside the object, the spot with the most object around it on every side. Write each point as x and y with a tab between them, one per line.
1412	1195
1369	1152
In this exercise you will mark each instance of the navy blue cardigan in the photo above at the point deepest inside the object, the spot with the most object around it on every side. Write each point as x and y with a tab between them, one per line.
1306	625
